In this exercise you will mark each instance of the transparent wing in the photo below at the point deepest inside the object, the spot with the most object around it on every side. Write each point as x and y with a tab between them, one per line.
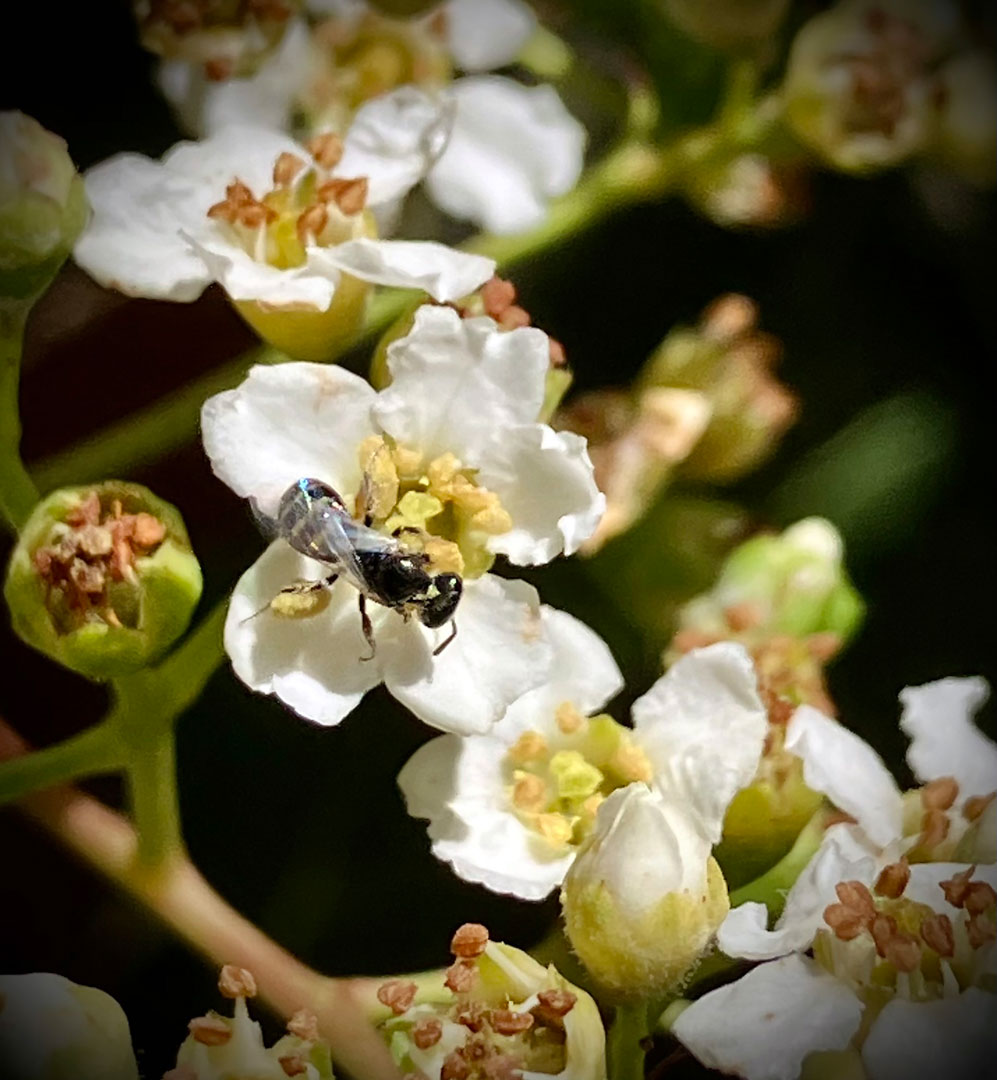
264	522
323	536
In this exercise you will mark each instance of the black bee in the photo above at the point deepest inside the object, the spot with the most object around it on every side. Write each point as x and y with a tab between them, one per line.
314	520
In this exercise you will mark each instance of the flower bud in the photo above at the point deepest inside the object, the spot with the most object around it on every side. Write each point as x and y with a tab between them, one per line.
730	362
103	578
728	24
42	205
644	896
52	1029
500	1011
859	87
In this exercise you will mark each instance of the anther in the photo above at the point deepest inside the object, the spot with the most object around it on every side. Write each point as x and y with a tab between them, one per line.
326	149
461	976
844	922
883	929
893	880
568	718
509	1022
979	897
934	828
469	941
349	195
528	747
553	1006
236	982
304	1024
427	1032
903	952
856	895
529	793
293	1064
311	222
937	934
981	930
497	295
397	995
741	617
455	1067
957	887
940	794
975	806
286	168
210	1030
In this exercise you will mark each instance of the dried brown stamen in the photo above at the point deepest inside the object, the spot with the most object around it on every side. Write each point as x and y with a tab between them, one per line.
461	976
326	149
241	207
937	934
427	1032
350	195
934	828
553	1006
293	1064
856	895
469	941
304	1024
509	1022
286	168
210	1030
845	923
471	1015
903	952
236	982
893	879
956	888
883	929
975	806
397	995
980	930
311	222
979	897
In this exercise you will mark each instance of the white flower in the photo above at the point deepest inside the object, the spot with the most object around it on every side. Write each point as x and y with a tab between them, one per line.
512	148
52	1029
455	430
272	221
928	1015
508	809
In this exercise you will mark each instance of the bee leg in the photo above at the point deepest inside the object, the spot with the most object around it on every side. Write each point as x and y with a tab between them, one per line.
453	633
368	629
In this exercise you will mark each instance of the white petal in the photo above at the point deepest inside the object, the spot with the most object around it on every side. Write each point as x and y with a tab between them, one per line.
582	671
243	151
845	768
132	242
458	785
763	1025
546	482
842	856
511	150
498	655
955	1038
395	139
938	719
458	384
441	271
243	278
487	34
286	422
313	665
703	727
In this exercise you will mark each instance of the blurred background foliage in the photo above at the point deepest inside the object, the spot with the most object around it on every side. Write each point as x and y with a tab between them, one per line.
882	296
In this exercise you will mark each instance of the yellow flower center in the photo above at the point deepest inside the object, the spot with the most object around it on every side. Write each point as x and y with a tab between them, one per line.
555	785
436	507
306	206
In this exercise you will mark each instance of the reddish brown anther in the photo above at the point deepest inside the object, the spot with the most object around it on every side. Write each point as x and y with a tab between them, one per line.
557	356
397	995
979	897
326	149
286	168
883	929
856	895
741	617
427	1032
903	952
940	794
981	930
893	879
469	941
455	1067
514	317
509	1022
974	807
471	1014
349	195
957	887
461	976
937	934
236	982
845	923
553	1005
293	1064
934	828
311	221
304	1024
497	295
210	1030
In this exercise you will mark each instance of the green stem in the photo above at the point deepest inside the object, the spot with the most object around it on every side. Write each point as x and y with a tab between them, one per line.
624	1045
771	888
152	785
86	754
18	493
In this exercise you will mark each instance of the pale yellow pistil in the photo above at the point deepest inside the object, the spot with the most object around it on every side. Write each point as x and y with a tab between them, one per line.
556	785
435	507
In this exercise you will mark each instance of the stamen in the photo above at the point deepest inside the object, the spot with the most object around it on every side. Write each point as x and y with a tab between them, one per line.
979	897
856	895
893	879
349	195
934	828
293	1064
469	941
956	888
981	930
311	222
509	1022
326	149
461	976
976	805
940	794
397	995
236	982
529	793
286	168
304	1024
427	1032
210	1030
568	718
741	617
553	1006
937	934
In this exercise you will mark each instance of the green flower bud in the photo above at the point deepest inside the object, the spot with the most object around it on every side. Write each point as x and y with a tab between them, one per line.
644	896
103	578
43	207
52	1029
728	24
498	1009
730	362
793	584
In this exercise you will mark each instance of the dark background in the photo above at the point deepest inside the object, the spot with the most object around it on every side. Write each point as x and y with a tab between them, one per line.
884	291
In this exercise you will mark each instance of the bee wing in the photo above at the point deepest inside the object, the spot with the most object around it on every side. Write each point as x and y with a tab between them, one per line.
264	522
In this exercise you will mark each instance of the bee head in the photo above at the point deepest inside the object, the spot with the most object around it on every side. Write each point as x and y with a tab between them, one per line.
441	601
